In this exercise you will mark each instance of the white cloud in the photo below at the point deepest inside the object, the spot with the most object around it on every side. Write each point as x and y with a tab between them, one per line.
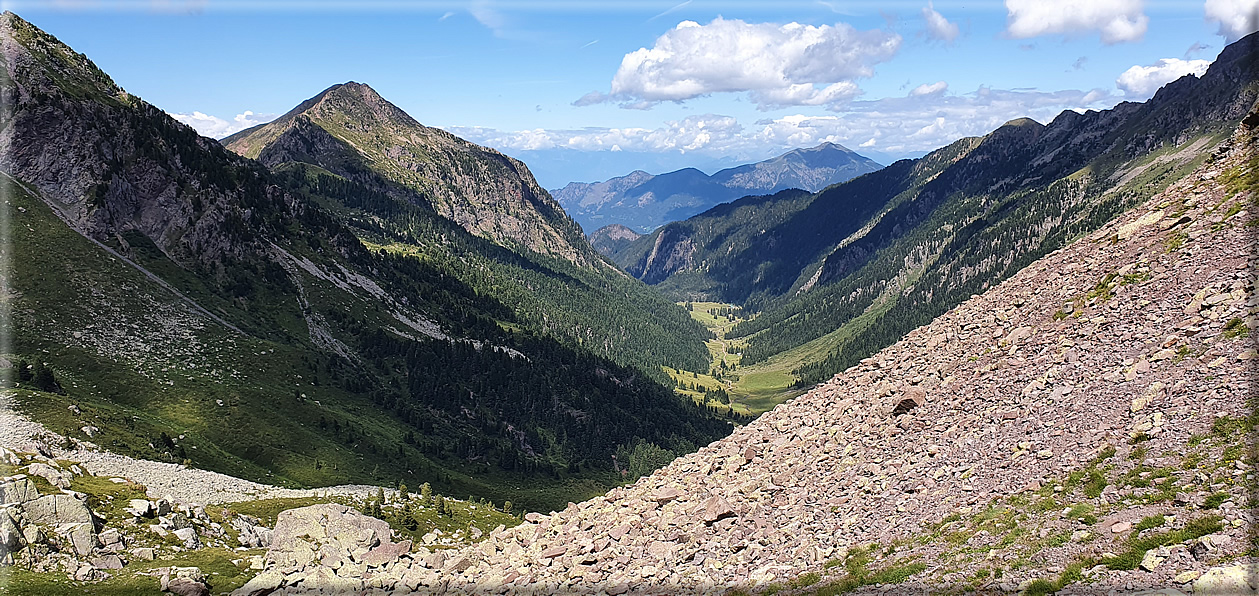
1141	82
925	122
1237	18
217	128
897	125
933	88
490	18
693	133
939	27
779	65
1116	20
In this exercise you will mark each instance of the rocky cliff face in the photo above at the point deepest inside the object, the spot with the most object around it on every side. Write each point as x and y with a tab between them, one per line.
133	168
1083	424
610	239
353	132
644	202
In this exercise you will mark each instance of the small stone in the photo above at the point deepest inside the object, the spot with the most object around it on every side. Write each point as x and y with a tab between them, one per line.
1120	527
716	508
1152	559
189	538
139	507
1186	577
666	495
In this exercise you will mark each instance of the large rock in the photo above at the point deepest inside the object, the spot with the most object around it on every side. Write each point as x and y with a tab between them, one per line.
263	583
81	537
55	477
328	523
18	489
54	510
11	538
1233	581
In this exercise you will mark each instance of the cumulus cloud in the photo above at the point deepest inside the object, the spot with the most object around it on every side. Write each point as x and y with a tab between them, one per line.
934	88
1236	18
897	125
1116	20
939	27
217	128
1142	81
778	65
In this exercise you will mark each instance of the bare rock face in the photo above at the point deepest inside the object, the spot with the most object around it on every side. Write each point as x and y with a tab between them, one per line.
109	163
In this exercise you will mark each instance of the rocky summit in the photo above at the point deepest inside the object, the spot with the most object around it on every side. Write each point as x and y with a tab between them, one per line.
351	131
1085	423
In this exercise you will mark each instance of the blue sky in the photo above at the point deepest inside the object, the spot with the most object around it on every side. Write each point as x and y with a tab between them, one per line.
587	90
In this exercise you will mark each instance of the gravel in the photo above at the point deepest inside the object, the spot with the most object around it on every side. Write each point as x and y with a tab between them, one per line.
188	485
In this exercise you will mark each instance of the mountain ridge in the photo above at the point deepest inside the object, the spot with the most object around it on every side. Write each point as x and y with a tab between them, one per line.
350	130
644	201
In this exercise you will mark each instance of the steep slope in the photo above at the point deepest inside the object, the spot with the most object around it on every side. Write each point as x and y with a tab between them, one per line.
1085	423
610	240
186	304
854	267
334	148
351	131
644	202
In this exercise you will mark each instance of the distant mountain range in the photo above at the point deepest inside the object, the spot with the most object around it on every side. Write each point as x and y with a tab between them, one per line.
644	202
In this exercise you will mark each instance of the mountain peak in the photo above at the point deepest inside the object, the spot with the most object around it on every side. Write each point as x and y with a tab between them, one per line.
38	59
352	131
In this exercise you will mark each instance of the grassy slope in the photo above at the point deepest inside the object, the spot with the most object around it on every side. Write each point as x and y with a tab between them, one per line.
74	301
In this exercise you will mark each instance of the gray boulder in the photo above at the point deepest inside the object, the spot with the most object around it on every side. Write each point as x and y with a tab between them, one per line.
54	510
55	477
11	538
17	490
189	537
81	537
1233	581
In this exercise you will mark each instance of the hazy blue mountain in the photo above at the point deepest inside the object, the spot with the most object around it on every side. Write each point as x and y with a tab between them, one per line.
643	201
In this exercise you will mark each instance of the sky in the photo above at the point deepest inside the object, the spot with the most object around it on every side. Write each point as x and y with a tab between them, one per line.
583	91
